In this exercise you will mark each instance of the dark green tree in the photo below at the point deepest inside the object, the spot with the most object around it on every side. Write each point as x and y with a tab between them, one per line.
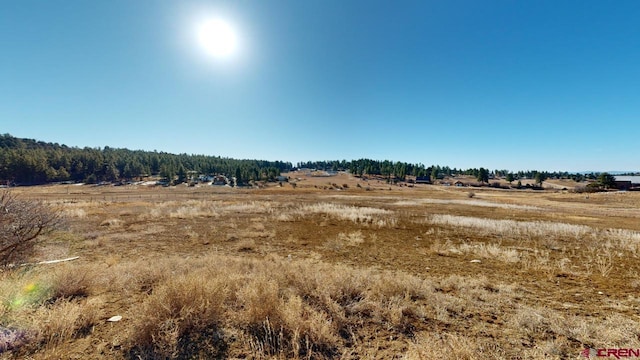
607	181
509	177
434	173
540	177
239	179
167	173
483	175
182	174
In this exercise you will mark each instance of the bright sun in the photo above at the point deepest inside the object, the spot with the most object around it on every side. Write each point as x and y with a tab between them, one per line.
218	38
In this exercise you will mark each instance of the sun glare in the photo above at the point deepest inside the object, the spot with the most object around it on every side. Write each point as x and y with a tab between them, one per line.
217	38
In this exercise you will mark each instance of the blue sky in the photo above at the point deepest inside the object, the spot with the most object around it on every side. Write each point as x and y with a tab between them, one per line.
516	85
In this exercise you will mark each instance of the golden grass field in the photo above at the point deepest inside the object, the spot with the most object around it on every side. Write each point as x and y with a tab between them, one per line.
314	272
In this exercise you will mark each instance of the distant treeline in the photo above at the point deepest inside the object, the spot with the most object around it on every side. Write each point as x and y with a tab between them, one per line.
27	162
399	170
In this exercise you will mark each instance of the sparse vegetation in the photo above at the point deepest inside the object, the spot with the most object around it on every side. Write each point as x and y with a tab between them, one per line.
306	273
22	223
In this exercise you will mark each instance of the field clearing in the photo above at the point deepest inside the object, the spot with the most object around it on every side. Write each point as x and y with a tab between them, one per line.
315	272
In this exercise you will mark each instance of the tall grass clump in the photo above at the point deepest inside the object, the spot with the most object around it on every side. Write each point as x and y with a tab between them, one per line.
623	239
252	207
514	228
482	250
182	318
470	195
63	320
359	215
43	308
277	307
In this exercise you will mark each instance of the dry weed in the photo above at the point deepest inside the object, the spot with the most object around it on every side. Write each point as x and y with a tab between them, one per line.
359	215
64	320
477	249
112	223
181	319
480	203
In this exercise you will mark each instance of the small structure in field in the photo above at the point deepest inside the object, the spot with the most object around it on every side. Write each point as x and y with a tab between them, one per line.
627	182
220	180
423	180
623	185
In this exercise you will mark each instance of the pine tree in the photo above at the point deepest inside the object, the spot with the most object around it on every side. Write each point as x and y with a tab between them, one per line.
607	181
509	178
540	177
483	175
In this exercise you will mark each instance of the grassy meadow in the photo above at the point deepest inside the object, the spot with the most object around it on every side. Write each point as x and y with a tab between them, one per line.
334	267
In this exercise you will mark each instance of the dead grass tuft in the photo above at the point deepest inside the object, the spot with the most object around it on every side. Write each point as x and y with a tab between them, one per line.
546	287
112	223
62	321
181	319
279	308
515	229
346	240
359	215
69	284
477	249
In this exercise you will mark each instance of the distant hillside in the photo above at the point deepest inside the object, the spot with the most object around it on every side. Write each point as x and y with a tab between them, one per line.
28	162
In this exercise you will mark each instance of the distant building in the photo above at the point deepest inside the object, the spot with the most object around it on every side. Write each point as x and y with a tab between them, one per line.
423	179
623	185
220	180
205	178
627	182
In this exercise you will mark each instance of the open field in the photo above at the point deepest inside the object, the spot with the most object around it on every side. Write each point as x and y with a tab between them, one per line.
315	272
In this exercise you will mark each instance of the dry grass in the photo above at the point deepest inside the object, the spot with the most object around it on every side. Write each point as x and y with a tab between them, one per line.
480	203
343	241
49	308
432	346
62	321
112	223
478	250
191	209
277	308
284	273
356	214
75	213
515	229
603	240
180	319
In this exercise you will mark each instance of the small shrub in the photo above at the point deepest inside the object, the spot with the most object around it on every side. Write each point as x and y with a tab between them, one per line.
71	284
112	223
586	189
246	245
22	222
181	319
65	320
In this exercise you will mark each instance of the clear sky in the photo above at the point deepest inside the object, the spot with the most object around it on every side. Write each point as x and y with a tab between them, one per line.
517	85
